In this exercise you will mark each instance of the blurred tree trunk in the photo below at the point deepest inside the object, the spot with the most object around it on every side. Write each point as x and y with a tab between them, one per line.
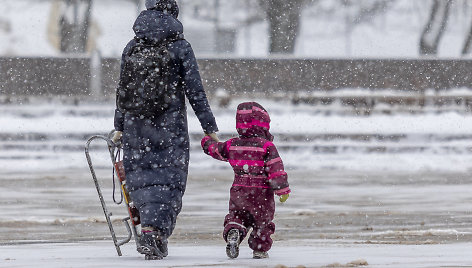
434	29
467	45
284	23
74	25
140	5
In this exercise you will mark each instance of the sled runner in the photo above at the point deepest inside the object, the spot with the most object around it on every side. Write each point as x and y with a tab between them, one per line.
132	220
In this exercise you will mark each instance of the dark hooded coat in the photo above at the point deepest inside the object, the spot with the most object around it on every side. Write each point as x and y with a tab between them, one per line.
156	148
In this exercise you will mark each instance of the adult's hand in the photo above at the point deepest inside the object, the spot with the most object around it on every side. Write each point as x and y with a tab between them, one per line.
117	137
214	137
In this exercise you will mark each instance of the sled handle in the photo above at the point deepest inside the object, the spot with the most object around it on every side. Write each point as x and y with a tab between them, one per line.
130	234
111	148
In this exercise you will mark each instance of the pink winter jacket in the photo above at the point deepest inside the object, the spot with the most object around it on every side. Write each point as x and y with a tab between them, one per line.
253	156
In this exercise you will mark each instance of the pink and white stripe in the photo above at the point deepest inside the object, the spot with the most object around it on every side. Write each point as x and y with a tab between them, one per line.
276	174
273	161
246	148
254	108
252	186
246	162
283	191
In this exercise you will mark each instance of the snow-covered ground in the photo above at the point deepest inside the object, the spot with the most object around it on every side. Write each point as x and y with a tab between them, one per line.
100	254
402	219
390	190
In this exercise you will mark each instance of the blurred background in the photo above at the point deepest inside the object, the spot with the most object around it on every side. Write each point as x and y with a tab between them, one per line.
247	28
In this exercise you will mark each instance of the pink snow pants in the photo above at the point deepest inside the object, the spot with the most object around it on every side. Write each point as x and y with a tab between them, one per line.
252	207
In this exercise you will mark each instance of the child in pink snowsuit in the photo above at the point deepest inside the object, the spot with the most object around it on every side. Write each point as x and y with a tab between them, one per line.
258	175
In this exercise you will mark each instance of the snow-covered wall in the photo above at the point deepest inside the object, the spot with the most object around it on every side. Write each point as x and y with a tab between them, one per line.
75	76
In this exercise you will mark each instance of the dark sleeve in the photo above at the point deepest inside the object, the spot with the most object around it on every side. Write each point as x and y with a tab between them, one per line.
119	120
194	91
274	167
119	116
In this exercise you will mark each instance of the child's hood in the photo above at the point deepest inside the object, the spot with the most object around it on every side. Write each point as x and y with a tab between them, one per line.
252	120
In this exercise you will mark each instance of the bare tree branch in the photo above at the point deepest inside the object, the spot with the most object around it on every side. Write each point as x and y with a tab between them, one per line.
434	28
368	13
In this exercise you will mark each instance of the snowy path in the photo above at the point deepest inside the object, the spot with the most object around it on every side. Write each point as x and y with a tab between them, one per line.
53	219
102	254
395	195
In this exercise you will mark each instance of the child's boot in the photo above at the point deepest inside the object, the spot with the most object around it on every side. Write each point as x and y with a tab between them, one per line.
152	245
260	254
232	246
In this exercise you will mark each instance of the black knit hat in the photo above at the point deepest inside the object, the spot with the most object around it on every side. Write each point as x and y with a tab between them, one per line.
166	6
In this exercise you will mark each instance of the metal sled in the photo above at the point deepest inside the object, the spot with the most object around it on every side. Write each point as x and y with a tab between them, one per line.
131	228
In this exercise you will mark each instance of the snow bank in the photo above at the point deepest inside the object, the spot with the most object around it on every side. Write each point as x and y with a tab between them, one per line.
286	119
51	136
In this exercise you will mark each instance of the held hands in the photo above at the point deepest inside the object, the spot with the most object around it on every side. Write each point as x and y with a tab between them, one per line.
283	198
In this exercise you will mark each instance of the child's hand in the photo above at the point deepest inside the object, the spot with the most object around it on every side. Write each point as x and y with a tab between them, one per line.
283	198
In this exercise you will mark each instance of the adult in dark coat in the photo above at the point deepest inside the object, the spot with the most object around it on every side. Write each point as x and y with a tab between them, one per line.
156	148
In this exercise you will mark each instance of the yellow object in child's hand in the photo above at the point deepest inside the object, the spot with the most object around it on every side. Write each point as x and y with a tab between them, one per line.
283	197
